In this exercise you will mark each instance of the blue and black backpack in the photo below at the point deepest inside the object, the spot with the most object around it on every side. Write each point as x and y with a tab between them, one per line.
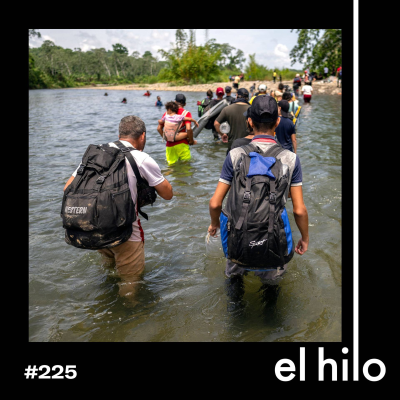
255	229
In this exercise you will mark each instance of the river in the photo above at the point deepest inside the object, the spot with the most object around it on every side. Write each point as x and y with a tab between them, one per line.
73	298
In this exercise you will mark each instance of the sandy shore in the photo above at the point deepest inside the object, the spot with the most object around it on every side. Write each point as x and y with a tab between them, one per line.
319	87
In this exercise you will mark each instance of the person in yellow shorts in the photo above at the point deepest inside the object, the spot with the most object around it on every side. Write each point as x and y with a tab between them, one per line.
180	149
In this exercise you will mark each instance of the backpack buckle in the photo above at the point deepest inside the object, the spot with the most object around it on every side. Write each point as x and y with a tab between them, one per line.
80	169
125	149
272	198
100	179
246	197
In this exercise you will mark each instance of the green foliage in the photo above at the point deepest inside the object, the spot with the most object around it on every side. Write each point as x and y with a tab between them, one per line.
199	64
55	66
118	48
33	33
259	72
318	48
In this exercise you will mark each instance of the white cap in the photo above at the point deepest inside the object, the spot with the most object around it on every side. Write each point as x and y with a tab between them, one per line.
262	87
297	75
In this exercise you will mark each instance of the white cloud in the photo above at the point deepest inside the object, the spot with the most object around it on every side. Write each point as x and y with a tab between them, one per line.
47	37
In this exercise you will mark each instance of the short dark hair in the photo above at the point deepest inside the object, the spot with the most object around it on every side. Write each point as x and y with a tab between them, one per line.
132	127
281	87
263	126
173	106
209	93
286	96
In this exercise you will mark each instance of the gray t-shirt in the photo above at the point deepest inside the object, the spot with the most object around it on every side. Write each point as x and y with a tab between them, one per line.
233	114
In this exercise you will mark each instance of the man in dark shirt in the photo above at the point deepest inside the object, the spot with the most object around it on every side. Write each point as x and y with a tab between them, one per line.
233	114
228	96
247	139
220	94
285	132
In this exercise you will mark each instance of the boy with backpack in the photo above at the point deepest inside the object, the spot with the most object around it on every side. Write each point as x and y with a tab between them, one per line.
254	224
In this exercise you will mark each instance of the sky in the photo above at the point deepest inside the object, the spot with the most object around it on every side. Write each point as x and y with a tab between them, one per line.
272	46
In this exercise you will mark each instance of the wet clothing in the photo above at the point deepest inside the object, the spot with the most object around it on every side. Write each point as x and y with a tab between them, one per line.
284	132
267	276
181	151
236	120
159	103
128	258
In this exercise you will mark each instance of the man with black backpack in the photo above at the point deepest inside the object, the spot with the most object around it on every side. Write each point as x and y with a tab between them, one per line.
104	195
254	224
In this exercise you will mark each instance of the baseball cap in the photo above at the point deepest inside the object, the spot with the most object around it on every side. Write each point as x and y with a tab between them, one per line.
262	87
243	92
284	105
219	91
228	89
180	98
263	109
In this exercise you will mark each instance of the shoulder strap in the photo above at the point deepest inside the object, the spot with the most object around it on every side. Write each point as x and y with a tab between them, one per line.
248	148
139	179
273	151
127	151
180	124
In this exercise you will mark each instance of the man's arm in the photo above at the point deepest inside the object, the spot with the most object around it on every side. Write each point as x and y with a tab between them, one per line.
294	142
69	182
160	129
216	206
189	133
164	189
216	126
301	217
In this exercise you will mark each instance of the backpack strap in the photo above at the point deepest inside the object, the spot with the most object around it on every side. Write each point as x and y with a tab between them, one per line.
180	124
139	180
273	151
248	148
245	205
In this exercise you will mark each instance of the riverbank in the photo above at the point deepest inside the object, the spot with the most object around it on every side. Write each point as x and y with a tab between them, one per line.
319	87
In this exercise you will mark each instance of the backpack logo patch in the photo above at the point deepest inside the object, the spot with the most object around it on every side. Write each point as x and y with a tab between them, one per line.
75	210
254	243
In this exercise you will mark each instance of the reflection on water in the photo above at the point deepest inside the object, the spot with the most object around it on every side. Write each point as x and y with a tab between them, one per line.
182	295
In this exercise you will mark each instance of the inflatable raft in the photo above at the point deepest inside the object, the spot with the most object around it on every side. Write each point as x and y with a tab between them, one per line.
207	115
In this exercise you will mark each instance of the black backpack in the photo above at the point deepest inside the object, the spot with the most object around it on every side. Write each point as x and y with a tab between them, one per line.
255	229
97	208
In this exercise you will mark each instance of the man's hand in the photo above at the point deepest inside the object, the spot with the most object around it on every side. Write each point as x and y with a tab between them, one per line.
301	247
212	230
